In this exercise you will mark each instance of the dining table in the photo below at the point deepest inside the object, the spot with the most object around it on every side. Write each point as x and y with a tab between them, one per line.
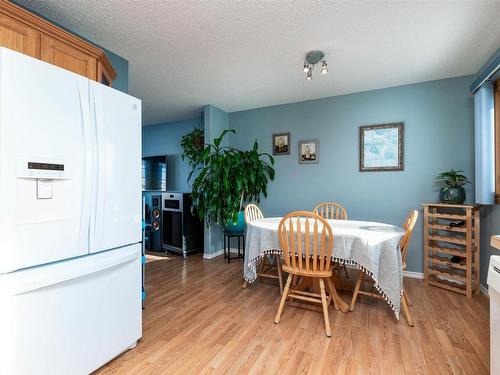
371	247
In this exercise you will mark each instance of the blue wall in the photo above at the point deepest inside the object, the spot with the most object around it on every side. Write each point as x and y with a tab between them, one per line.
215	121
165	139
121	67
439	135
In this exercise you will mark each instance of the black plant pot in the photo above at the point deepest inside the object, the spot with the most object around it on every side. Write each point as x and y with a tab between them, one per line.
455	195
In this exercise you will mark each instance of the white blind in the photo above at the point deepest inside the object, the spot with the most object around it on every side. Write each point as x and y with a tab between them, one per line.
484	127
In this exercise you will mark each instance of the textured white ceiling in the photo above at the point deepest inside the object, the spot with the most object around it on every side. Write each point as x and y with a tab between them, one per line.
248	54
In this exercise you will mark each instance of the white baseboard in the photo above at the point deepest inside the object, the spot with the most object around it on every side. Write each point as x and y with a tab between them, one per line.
413	275
213	255
484	290
218	253
420	275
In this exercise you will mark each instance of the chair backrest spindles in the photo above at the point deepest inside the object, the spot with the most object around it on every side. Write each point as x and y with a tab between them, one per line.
307	241
408	226
291	251
323	256
252	212
331	211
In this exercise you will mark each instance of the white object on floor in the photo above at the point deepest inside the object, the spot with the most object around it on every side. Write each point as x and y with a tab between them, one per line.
70	219
494	292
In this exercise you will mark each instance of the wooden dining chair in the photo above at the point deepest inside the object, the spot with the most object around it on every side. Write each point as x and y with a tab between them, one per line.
252	212
270	270
307	243
332	211
408	226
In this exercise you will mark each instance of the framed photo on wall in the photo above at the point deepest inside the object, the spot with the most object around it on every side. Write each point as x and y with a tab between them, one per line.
381	147
281	144
309	151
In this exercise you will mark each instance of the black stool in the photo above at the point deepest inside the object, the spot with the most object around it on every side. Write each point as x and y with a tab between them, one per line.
227	245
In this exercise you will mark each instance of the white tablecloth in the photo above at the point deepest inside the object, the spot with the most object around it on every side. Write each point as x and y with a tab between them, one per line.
369	246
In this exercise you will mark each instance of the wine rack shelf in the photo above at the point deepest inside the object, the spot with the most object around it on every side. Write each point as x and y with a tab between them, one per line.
451	247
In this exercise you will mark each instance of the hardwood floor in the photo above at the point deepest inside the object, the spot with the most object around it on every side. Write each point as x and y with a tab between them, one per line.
198	320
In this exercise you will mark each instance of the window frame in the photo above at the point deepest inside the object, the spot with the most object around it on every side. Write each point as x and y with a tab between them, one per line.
497	140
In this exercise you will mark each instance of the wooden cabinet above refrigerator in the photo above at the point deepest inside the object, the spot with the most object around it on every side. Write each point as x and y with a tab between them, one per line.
27	33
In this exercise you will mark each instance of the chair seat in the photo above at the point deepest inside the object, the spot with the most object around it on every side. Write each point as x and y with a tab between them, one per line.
310	273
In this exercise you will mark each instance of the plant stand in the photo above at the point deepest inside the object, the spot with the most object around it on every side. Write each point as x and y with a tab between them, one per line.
227	245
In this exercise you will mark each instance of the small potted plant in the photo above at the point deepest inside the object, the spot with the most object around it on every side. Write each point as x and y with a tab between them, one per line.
451	183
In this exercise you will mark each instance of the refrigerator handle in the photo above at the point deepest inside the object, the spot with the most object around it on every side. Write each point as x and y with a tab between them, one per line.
62	272
85	121
99	159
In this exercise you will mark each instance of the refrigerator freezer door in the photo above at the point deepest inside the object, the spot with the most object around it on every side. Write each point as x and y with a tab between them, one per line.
116	207
70	317
44	162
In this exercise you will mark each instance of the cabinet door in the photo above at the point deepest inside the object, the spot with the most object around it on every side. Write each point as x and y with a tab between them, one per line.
19	37
65	56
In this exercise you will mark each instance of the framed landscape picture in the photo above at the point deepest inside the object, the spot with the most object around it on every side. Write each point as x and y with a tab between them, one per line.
281	144
309	151
381	147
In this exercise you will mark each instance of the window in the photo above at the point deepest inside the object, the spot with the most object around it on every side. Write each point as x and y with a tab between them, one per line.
497	141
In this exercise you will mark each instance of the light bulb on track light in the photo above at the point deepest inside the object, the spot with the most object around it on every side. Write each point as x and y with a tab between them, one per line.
324	67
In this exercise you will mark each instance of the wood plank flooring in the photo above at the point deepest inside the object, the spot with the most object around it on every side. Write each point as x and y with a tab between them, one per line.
198	320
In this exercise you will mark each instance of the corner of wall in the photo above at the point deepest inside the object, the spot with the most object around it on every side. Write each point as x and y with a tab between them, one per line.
215	121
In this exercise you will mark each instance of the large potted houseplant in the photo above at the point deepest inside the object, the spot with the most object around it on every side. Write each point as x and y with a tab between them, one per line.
192	145
225	178
451	186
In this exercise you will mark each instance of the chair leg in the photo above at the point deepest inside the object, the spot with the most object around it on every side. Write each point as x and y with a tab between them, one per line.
263	263
280	274
292	282
344	307
297	281
332	294
328	331
344	267
283	298
406	311
356	290
225	256
405	293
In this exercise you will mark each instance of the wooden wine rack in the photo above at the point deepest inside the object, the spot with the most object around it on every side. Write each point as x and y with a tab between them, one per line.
451	254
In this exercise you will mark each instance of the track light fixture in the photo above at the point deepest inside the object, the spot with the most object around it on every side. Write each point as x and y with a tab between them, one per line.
312	58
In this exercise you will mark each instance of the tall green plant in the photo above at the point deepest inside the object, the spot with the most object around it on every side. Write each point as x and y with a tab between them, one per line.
226	176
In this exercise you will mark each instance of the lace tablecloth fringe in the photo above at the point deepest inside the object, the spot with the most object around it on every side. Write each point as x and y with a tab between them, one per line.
252	264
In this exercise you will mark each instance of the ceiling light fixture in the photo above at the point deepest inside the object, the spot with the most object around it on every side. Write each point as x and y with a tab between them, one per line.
312	58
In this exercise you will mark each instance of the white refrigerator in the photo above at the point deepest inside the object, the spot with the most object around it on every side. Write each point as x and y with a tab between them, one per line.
70	220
